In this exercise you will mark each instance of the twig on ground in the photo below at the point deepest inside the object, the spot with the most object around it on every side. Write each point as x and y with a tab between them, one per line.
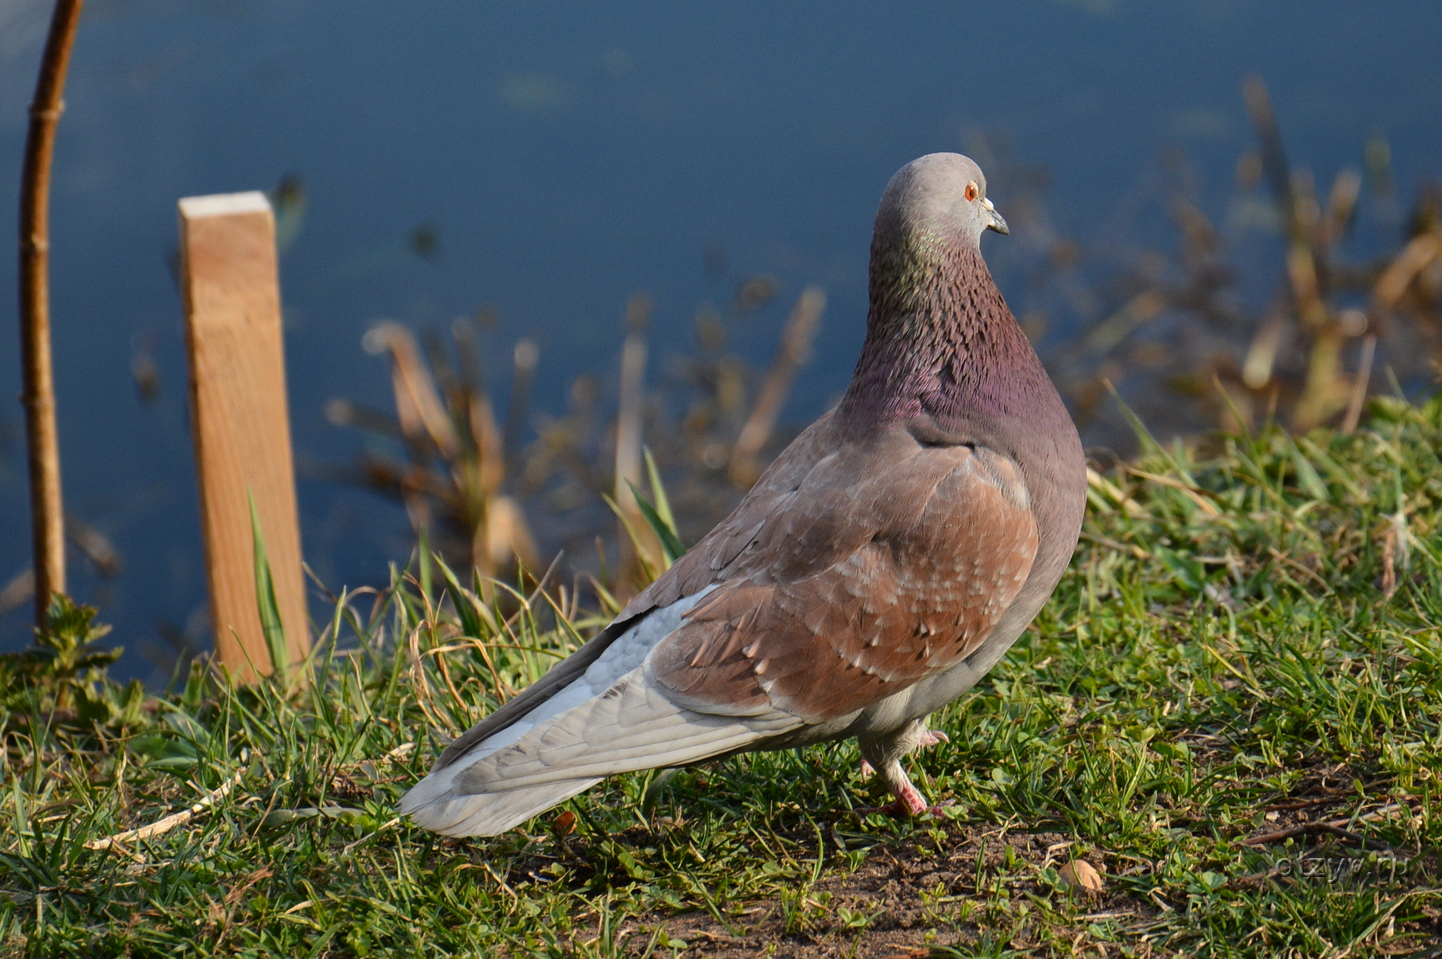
1333	828
162	826
1306	829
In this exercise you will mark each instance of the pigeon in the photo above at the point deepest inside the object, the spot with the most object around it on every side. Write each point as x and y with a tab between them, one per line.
881	565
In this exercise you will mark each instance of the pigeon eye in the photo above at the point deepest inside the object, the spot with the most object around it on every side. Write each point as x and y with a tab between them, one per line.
971	191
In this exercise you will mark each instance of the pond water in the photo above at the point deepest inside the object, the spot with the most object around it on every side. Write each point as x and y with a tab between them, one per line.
552	158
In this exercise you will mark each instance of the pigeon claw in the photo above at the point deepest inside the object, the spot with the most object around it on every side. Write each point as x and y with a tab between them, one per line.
909	803
896	809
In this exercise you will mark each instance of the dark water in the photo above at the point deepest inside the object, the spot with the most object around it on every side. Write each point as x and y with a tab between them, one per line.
564	155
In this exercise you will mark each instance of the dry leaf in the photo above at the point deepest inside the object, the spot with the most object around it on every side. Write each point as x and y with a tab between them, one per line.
1080	874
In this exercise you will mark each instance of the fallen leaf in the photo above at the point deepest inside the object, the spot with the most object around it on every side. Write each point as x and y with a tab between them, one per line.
1080	874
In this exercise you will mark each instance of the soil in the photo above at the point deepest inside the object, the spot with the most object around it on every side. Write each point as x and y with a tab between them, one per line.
912	891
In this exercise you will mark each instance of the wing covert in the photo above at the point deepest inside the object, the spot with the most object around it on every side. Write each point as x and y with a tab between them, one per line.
856	583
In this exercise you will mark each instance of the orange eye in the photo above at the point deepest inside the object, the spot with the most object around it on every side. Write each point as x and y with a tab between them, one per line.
971	191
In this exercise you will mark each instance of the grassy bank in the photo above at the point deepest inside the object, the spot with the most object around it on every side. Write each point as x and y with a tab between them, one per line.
1232	709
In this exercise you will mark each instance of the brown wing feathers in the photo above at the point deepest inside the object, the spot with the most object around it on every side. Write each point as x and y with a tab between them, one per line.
853	584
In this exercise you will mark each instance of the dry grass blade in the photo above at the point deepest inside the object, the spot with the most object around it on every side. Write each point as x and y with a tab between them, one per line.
1359	386
1269	136
638	547
1113	492
95	545
418	404
1415	257
1187	490
795	347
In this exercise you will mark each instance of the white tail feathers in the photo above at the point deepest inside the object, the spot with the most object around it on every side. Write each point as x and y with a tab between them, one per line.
486	814
566	746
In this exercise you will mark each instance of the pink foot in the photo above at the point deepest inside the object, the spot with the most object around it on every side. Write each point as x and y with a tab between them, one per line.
896	810
908	803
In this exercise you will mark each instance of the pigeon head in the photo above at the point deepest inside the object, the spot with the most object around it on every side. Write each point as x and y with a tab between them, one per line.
938	200
940	340
926	245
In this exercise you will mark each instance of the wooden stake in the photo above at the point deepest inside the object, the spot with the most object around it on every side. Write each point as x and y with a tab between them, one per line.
240	423
47	517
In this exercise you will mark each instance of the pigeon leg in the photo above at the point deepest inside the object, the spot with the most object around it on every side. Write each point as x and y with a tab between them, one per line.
885	753
929	737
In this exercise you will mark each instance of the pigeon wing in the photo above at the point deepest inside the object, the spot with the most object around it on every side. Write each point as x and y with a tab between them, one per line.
886	562
852	570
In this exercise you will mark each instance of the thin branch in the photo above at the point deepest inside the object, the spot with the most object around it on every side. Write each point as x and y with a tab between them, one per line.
1333	828
47	516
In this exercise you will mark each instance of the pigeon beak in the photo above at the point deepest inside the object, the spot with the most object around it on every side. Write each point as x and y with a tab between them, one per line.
997	222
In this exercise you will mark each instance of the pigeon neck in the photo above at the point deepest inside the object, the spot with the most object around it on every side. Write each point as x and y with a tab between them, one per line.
940	340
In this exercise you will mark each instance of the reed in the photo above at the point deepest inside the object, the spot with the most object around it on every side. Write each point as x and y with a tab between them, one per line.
475	487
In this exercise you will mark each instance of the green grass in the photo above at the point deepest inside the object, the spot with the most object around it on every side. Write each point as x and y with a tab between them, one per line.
1223	662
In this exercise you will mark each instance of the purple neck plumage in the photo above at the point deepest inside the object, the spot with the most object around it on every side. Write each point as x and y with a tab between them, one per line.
940	340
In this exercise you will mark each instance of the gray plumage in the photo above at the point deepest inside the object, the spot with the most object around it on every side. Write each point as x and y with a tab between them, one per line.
882	564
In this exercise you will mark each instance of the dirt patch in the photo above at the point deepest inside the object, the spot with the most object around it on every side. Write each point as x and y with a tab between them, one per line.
907	898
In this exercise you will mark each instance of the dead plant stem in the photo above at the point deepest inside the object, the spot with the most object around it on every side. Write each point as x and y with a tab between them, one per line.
47	516
795	346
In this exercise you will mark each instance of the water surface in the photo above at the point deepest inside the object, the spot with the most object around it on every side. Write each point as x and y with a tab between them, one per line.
562	156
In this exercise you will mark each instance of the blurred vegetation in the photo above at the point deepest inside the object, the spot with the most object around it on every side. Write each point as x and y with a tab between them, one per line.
1174	332
63	675
1179	333
709	426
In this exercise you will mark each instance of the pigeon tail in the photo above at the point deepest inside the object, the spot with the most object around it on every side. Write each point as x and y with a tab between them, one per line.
627	727
436	805
611	719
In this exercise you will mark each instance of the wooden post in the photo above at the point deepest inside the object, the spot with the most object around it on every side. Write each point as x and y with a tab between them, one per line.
240	423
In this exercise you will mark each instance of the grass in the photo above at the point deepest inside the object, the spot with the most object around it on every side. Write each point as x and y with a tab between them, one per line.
1232	709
